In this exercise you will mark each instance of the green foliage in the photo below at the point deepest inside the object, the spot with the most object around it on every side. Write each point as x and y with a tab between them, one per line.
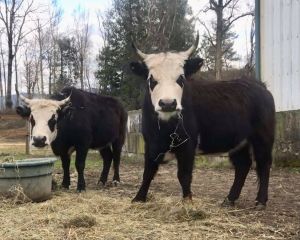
69	72
154	25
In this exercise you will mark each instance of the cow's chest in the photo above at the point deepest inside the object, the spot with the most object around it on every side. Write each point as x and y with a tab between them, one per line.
171	135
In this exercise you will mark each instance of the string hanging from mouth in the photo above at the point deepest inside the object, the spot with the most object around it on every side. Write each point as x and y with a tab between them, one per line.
175	136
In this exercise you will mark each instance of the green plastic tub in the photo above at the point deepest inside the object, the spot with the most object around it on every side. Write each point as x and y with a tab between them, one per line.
33	175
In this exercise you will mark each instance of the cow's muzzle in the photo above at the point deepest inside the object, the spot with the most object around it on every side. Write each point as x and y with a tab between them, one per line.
39	142
168	105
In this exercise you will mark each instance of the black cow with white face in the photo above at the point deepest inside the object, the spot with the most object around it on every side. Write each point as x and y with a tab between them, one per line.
226	116
76	120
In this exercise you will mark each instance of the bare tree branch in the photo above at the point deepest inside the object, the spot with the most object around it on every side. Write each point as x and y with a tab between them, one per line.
210	38
229	24
228	2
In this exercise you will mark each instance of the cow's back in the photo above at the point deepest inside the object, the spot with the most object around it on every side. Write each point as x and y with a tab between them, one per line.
229	112
92	119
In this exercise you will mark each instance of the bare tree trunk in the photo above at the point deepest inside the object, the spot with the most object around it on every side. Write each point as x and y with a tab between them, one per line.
1	89
8	98
17	82
219	38
28	136
81	73
4	72
41	76
13	15
39	30
88	78
226	15
50	75
36	79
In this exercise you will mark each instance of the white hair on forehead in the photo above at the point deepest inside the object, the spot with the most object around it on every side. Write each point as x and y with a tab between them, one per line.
165	66
43	103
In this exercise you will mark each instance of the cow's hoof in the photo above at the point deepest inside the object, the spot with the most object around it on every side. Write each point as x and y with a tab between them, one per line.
188	199
227	203
115	183
260	206
80	190
101	183
64	187
138	199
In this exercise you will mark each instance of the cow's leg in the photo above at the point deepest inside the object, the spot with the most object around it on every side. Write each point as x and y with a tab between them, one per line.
185	161
106	154
116	148
152	160
263	156
81	154
65	159
241	161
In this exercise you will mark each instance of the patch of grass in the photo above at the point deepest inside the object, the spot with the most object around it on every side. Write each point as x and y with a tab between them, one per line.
84	221
202	161
14	153
190	214
286	162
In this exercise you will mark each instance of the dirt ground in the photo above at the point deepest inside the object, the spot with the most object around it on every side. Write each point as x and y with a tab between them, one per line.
107	212
12	129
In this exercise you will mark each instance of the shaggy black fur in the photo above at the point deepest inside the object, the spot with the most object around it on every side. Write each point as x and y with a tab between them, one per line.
89	121
217	117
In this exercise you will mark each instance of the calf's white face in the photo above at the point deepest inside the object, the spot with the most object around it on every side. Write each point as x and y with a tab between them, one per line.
43	120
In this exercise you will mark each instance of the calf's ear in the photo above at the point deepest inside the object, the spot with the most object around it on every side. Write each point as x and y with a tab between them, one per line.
139	68
23	111
192	66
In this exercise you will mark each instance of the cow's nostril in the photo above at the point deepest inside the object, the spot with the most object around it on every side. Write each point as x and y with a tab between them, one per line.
168	105
161	103
174	103
39	141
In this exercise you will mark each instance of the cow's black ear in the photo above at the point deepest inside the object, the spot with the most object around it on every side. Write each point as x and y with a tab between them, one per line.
192	66
23	111
65	111
139	68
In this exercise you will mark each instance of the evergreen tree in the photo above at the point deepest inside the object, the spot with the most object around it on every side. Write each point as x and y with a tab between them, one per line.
69	72
208	49
154	25
217	44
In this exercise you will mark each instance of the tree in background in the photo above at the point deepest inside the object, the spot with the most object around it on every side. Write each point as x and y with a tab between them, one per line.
31	66
155	25
217	43
249	67
82	43
69	72
13	14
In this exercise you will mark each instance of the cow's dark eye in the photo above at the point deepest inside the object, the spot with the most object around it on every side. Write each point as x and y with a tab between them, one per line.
180	81
152	83
32	121
52	123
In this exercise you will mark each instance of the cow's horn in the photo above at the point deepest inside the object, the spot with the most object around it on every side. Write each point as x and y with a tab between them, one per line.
64	101
139	52
192	49
25	100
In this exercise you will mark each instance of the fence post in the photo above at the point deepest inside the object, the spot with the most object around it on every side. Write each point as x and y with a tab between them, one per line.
28	135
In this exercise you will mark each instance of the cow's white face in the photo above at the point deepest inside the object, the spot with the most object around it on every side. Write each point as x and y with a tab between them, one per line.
166	82
43	119
166	73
